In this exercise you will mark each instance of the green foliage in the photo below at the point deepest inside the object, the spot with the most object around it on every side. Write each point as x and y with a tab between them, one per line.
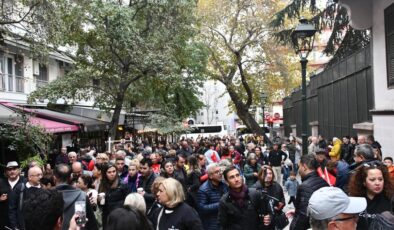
126	51
167	124
24	138
36	158
343	38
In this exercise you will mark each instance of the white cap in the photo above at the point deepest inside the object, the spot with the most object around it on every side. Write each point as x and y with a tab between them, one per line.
328	202
12	164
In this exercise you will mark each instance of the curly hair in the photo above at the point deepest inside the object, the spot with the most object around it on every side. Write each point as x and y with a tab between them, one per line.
356	183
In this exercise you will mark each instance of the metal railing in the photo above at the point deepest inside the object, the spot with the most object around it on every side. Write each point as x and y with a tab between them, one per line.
19	84
40	83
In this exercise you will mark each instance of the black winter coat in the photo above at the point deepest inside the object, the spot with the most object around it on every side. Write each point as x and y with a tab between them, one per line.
310	183
231	217
114	198
146	184
182	217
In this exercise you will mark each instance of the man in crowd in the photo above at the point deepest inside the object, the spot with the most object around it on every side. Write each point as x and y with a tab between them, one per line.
72	157
121	168
62	158
185	149
180	171
310	183
361	140
313	145
19	195
276	158
209	195
43	210
62	173
330	208
242	208
77	170
146	181
7	187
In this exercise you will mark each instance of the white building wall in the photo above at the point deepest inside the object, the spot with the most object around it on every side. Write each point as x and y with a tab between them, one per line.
216	110
384	97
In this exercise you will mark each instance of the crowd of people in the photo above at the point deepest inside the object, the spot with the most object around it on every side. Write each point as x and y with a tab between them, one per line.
207	183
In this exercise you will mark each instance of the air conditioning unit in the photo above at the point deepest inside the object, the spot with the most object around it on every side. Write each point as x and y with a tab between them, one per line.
36	68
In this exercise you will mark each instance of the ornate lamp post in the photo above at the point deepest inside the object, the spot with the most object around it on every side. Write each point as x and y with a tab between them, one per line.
303	37
263	97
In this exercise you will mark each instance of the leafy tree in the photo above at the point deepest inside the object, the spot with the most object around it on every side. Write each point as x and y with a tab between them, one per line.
241	55
122	46
25	139
332	16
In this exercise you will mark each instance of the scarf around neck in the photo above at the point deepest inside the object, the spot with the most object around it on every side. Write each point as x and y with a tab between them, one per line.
239	197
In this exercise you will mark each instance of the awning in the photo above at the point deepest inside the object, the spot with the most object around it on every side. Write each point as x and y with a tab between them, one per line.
84	123
88	124
53	126
7	115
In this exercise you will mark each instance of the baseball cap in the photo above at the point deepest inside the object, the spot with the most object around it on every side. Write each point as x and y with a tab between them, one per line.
327	202
12	164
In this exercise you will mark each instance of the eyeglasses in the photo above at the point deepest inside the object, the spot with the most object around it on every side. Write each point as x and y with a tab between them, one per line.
354	217
218	172
38	175
373	164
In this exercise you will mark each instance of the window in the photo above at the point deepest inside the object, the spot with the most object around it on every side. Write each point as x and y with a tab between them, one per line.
42	77
389	29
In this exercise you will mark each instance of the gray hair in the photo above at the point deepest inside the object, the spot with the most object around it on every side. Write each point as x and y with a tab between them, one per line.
135	200
211	168
365	151
72	154
120	153
319	224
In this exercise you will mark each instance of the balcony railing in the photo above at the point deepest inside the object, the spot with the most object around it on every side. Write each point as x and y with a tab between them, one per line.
40	83
12	83
19	84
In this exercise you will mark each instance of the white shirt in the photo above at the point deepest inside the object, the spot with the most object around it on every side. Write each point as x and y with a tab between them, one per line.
28	185
13	183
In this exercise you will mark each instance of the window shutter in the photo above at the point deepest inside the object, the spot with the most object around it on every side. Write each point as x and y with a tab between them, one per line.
389	27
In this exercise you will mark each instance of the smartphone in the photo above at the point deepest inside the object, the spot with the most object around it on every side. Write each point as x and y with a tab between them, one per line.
80	210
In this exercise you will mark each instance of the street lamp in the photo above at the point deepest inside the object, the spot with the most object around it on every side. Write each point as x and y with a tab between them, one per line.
303	37
263	97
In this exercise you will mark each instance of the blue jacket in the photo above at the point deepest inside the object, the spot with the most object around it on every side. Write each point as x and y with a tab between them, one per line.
291	186
208	198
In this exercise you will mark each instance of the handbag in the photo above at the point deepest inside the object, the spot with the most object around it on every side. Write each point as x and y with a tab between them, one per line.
281	220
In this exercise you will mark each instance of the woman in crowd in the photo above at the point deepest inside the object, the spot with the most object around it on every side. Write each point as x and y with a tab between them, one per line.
85	183
167	169
98	168
259	156
135	200
236	157
372	181
175	213
131	181
251	170
225	153
112	192
102	158
193	181
155	189
266	182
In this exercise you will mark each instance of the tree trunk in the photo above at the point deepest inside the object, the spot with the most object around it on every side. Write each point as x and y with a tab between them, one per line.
116	114
243	113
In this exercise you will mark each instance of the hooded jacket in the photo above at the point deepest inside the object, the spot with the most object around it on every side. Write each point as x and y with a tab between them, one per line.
70	196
